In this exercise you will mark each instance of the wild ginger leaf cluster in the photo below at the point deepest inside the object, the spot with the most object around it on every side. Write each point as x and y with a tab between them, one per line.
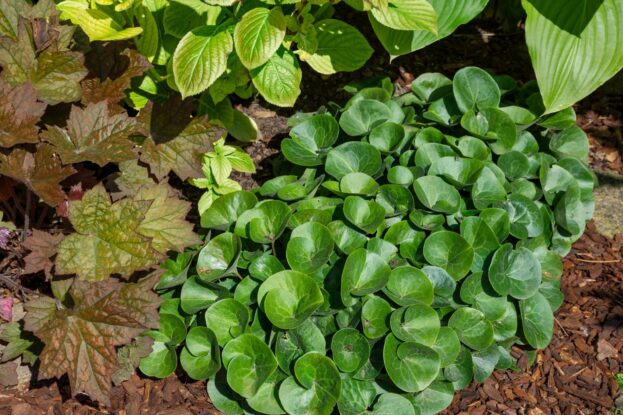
401	251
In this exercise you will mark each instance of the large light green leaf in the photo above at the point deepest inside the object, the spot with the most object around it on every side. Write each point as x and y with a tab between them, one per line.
574	48
258	35
95	22
279	79
407	15
200	58
341	48
450	15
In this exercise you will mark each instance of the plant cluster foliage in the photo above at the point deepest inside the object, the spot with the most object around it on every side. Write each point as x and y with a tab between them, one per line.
410	243
224	47
73	160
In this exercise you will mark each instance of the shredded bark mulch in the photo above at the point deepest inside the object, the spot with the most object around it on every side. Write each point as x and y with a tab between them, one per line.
573	376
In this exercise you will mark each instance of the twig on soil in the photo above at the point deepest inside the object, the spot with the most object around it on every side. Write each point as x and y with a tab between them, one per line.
599	261
561	327
9	283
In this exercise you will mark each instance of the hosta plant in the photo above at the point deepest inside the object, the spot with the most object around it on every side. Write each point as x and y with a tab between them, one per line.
223	47
409	243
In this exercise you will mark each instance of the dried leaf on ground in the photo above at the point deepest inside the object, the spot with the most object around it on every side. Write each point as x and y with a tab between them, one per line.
93	134
107	239
80	341
42	246
19	114
42	172
175	141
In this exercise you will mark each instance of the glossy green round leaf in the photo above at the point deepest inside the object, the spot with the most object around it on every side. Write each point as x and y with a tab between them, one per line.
392	403
498	221
315	388
460	172
196	296
310	140
357	396
226	209
227	319
408	285
375	317
364	273
475	89
266	400
361	117
537	320
347	238
358	184
219	257
267	221
200	58
434	399
411	366
515	272
505	327
292	344
288	298
570	142
395	199
340	48
352	157
201	357
487	190
525	217
447	345
309	247
249	362
472	328
416	323
514	164
450	251
161	362
264	266
400	175
443	284
222	396
480	236
429	152
366	215
258	35
434	193
461	372
387	137
350	350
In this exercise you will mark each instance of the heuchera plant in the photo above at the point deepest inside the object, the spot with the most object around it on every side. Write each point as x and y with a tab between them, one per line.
409	244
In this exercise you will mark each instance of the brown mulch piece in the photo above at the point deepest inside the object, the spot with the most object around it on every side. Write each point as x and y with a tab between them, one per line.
136	396
575	374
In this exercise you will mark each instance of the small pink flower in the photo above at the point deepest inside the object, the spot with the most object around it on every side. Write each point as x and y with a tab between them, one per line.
6	308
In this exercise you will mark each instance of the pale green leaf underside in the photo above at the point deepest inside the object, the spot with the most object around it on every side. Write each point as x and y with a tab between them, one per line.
96	23
574	49
258	36
407	15
450	14
279	79
200	58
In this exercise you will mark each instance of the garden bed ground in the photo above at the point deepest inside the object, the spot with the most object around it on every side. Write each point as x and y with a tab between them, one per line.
574	375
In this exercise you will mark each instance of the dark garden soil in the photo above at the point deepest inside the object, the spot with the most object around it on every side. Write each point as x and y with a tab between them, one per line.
574	375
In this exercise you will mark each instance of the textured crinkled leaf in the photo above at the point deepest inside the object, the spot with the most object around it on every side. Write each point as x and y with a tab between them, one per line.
175	141
42	172
279	79
258	35
42	247
107	239
80	341
164	221
200	58
19	114
92	134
